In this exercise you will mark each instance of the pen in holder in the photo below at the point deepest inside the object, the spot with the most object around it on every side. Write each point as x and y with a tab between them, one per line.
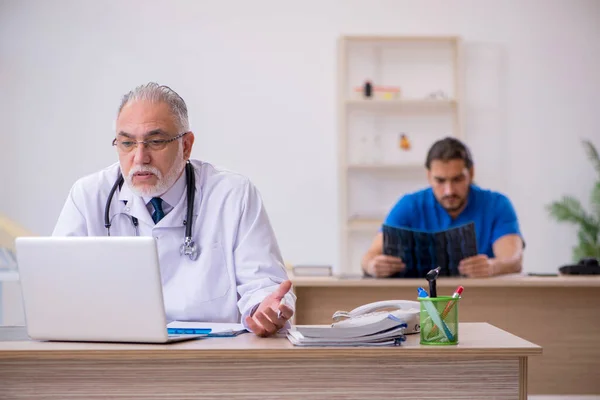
439	322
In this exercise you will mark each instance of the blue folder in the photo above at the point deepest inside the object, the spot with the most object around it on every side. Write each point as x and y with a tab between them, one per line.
188	331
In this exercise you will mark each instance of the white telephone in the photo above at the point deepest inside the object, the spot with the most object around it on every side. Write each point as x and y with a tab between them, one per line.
406	310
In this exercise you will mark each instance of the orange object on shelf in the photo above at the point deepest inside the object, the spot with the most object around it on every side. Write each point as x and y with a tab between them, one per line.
404	142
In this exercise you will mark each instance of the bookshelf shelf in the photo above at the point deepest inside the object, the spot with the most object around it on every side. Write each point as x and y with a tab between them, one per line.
384	167
415	99
376	104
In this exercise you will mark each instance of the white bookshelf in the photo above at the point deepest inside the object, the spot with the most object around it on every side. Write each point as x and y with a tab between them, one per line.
374	171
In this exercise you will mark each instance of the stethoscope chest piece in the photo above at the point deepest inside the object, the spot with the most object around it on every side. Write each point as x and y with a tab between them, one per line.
189	248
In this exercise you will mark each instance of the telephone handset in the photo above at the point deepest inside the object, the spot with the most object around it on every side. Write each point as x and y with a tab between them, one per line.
407	310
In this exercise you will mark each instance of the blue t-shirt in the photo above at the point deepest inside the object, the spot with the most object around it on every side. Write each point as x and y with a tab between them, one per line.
491	212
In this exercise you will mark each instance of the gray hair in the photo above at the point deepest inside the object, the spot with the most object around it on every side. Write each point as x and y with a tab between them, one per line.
156	93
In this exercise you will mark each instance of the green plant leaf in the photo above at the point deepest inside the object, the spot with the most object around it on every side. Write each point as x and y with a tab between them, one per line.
578	254
585	248
585	240
596	201
592	154
569	209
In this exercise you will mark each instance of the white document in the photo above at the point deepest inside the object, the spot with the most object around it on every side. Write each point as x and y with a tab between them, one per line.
217	328
363	325
380	328
391	337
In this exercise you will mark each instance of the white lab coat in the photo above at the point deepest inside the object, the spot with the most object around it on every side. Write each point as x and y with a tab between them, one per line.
239	263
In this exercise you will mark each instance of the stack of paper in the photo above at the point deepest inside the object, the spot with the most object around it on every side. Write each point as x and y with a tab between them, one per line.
375	329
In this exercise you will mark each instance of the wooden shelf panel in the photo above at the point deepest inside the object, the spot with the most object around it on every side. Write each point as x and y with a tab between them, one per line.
384	167
377	39
416	104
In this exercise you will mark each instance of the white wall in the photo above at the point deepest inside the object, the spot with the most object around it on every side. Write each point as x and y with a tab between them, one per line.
259	78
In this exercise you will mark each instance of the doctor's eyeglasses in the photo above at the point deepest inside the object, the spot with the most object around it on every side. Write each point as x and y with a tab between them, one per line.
127	145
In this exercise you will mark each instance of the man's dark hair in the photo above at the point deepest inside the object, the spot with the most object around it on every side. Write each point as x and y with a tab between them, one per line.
449	149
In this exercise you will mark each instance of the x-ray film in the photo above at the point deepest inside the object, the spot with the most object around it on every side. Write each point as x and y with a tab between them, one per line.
423	251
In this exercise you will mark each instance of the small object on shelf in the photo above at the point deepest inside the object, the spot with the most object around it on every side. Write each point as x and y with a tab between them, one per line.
368	89
437	95
387	92
404	143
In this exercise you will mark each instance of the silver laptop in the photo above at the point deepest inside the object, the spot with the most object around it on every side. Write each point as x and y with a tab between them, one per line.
96	289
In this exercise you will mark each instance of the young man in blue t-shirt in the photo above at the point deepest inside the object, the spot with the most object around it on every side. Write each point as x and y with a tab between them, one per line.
453	200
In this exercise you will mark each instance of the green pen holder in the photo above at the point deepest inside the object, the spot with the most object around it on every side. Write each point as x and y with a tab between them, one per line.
441	328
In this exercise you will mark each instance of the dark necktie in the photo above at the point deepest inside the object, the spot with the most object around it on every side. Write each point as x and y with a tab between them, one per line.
158	213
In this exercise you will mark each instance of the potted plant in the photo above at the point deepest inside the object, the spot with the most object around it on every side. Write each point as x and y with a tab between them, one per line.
569	209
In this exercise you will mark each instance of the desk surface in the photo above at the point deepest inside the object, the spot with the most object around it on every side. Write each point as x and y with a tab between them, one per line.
488	363
474	339
513	280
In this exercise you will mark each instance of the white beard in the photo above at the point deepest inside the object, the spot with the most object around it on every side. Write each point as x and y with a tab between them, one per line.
163	183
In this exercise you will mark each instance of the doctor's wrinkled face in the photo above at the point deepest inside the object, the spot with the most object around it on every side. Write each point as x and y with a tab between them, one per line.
150	170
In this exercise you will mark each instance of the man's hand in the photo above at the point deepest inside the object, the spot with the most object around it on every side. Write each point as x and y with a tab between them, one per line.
265	321
479	266
382	266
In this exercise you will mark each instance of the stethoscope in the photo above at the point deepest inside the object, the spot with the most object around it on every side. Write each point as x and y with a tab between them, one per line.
188	248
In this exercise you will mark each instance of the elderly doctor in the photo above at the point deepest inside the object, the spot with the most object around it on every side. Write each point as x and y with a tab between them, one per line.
237	273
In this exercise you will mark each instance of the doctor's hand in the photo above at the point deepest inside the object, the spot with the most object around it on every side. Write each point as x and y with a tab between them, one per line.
265	321
479	266
382	266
